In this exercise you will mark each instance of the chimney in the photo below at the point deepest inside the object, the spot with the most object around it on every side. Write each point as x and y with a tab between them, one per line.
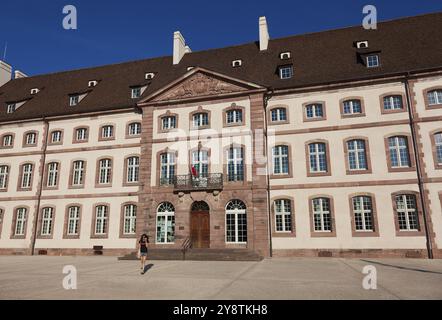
18	74
5	72
263	34
179	47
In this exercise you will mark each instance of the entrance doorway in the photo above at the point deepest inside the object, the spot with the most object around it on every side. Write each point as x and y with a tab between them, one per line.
200	225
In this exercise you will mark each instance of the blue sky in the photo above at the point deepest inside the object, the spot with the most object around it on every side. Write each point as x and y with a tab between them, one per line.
115	31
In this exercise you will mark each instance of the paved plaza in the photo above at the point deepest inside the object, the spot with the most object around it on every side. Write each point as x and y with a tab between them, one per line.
313	278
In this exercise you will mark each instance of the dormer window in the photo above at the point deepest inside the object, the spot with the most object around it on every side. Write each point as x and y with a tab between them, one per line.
236	63
149	75
35	91
136	92
372	61
92	83
73	100
362	44
285	55
11	108
285	72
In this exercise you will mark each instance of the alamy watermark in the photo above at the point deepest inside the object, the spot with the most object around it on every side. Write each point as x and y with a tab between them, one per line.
371	19
70	280
370	281
70	20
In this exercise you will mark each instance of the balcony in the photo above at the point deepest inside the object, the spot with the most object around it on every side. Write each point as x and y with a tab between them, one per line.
212	181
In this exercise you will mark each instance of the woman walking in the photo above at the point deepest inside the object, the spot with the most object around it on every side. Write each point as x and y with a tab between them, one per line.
142	247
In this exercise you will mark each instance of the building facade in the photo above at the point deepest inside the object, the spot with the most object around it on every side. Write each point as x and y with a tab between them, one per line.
327	144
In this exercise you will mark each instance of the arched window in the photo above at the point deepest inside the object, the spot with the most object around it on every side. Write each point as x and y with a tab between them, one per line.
101	218
200	119
357	155
406	212
81	134
314	111
393	102
26	177
47	221
73	220
8	140
134	129
283	215
363	213
31	138
167	168
105	171
318	157
130	219
279	114
399	153
437	145
165	223
234	116
322	216
353	106
53	169
235	164
20	222
4	175
200	162
56	136
133	169
280	159
434	97
236	222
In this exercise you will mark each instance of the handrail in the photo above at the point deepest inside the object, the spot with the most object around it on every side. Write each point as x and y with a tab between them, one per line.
212	181
187	244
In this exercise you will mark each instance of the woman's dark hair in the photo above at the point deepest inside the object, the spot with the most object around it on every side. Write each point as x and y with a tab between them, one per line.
144	235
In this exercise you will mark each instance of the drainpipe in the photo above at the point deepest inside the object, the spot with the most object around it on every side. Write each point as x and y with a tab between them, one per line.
40	186
418	167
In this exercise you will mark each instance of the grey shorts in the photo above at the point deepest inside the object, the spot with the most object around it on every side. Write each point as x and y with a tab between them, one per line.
143	254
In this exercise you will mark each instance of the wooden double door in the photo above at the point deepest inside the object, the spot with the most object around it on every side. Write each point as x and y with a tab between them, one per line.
200	229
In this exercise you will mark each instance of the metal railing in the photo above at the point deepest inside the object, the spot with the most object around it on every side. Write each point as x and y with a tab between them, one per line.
187	244
212	181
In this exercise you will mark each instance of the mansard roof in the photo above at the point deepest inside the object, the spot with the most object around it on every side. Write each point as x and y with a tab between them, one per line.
404	45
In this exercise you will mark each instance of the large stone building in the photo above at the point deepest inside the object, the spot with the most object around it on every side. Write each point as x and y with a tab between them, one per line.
324	144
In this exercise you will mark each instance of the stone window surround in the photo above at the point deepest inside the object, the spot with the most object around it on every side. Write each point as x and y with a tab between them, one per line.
304	111
94	220
12	134
399	233
126	167
283	234
20	176
356	233
122	212
25	138
46	176
168	113
437	166
40	223
158	166
319	234
14	222
367	156
74	136
128	124
327	156
50	143
234	106
66	221
226	164
71	174
278	106
200	110
410	152
353	115
290	163
100	132
7	176
393	93
427	104
97	172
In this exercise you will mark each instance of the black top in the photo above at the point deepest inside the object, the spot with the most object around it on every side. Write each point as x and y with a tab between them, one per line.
143	245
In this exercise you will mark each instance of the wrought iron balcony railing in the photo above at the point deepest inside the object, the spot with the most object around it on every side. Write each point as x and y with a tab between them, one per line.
212	181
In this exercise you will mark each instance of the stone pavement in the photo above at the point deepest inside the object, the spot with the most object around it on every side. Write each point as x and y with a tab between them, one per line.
301	278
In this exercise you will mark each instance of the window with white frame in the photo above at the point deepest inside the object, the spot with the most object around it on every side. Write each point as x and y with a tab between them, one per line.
318	157
399	154
101	218
47	221
363	213
285	72
168	122
283	215
167	173
280	155
314	111
20	222
406	211
31	138
8	140
357	154
434	97
134	129
372	61
81	134
74	100
133	169
322	218
107	132
279	114
56	136
73	221
130	219
236	222
200	119
234	116
200	162
52	174
26	178
136	92
11	108
352	107
105	173
235	164
393	102
438	146
78	168
4	175
166	223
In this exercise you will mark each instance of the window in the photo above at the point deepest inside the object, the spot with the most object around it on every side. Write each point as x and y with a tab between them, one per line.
11	108
200	162
133	169
434	97
167	168
31	138
26	179
73	221
92	83
284	55
200	119
318	157
236	222
235	164
101	217
438	147
165	223
134	129
283	215
352	107
322	215
74	100
56	136
280	159
314	111
35	91
130	219
105	173
357	155
47	221
4	174
393	102
78	173
20	222
168	122
136	92
285	72
107	132
8	140
234	116
279	114
399	155
81	134
53	168
149	75
361	44
372	61
363	213
407	217
236	63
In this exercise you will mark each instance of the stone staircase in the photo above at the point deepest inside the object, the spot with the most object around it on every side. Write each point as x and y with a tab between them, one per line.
199	255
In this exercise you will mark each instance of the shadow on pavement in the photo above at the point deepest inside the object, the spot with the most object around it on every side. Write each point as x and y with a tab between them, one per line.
399	267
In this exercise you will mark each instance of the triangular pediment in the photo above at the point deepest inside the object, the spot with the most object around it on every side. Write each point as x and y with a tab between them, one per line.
200	83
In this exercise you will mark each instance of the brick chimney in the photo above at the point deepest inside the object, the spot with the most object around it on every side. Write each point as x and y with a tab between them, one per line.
179	47
263	34
5	72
